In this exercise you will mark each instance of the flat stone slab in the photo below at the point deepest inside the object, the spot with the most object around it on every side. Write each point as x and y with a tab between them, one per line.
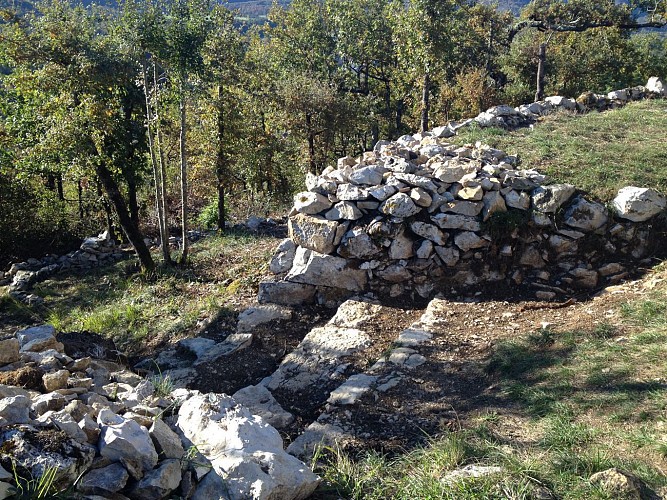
255	316
230	345
316	358
350	392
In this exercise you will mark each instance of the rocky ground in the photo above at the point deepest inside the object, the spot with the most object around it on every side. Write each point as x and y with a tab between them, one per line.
368	375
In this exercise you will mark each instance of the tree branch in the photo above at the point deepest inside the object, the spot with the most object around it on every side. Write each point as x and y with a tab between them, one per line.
582	26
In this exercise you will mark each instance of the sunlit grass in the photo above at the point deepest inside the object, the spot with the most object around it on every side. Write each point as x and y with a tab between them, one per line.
597	152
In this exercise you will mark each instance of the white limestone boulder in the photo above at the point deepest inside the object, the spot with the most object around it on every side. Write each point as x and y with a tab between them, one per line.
125	441
311	203
638	204
246	452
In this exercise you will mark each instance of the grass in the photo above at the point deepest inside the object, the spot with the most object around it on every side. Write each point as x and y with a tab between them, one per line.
598	152
575	403
137	310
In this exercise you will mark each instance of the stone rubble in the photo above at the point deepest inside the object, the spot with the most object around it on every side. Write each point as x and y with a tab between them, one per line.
95	420
418	224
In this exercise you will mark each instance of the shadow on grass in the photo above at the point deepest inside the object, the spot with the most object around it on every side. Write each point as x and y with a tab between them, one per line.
540	373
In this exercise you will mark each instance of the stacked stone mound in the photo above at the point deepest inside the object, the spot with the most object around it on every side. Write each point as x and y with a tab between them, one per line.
420	216
94	251
111	434
508	117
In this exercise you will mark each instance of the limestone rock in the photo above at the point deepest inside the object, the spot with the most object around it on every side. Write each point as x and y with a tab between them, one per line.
285	293
127	442
109	479
9	351
244	450
638	204
349	192
357	244
314	268
493	202
344	210
158	483
618	484
548	199
453	221
468	240
255	316
38	338
399	205
585	215
401	247
383	192
469	208
517	199
370	176
429	232
166	442
14	410
315	233
311	203
656	86
352	389
283	257
56	380
261	402
421	197
448	255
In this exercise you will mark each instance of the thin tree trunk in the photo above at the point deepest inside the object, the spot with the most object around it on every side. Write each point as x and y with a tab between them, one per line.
59	185
131	230
132	203
107	209
220	161
541	63
163	169
158	179
184	179
426	103
79	192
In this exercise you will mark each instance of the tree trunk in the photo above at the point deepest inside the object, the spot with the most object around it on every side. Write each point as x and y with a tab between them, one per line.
220	162
157	176
400	108
59	185
163	171
131	230
132	202
311	145
184	179
426	103
107	209
541	63
79	192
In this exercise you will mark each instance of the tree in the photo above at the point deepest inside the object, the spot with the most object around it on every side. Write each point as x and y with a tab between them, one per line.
580	16
64	62
424	36
182	28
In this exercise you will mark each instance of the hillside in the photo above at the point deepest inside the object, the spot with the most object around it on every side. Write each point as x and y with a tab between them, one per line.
506	398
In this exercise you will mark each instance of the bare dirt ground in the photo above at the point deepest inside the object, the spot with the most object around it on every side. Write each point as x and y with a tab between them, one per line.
451	387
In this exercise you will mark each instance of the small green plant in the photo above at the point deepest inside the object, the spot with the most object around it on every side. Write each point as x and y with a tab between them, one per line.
36	487
162	383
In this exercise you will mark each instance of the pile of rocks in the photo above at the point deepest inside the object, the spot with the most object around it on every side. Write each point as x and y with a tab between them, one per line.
525	115
420	216
107	433
94	251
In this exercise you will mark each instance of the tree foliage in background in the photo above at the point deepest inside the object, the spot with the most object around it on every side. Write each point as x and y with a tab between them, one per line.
147	115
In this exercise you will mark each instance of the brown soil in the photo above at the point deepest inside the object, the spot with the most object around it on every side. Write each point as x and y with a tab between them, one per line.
27	377
452	386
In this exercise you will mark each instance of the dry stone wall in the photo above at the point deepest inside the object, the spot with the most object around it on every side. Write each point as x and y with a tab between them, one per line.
420	216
